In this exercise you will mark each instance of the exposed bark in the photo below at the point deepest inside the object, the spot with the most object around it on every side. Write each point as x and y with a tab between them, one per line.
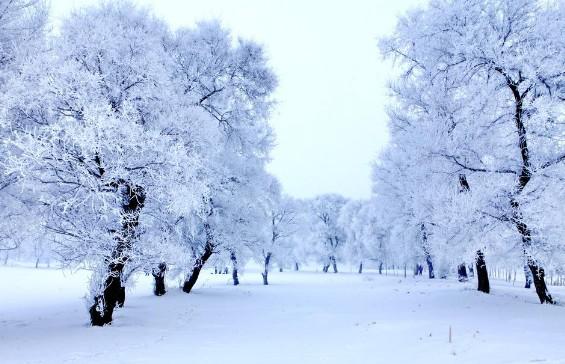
325	268
159	275
538	274
482	273
296	267
265	273
234	273
114	293
191	279
360	267
381	268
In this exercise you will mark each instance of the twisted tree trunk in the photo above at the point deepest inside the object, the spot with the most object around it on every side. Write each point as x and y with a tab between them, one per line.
113	293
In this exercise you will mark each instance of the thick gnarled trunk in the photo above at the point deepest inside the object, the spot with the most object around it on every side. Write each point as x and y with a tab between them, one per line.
113	294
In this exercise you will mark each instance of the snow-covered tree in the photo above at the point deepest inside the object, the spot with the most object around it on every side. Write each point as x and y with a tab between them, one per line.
231	84
101	139
479	107
274	241
22	24
328	234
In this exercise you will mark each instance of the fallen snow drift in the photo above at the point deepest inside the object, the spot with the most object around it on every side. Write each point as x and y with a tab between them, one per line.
302	317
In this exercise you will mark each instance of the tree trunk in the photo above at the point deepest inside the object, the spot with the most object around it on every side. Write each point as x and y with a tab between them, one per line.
381	268
538	275
482	273
462	272
191	279
427	254
360	267
234	269
528	276
431	274
334	264
296	267
113	293
265	273
159	275
325	268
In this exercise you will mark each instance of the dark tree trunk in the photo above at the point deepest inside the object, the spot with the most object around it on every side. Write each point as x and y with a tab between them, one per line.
381	268
538	275
471	271
296	267
482	273
462	273
265	273
159	275
427	254
528	276
334	264
199	263
114	293
280	270
360	267
430	264
234	269
325	268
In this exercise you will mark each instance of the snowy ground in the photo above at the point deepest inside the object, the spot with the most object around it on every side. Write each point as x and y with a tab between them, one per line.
303	318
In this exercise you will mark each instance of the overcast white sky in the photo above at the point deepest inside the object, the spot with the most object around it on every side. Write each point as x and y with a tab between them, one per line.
330	121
